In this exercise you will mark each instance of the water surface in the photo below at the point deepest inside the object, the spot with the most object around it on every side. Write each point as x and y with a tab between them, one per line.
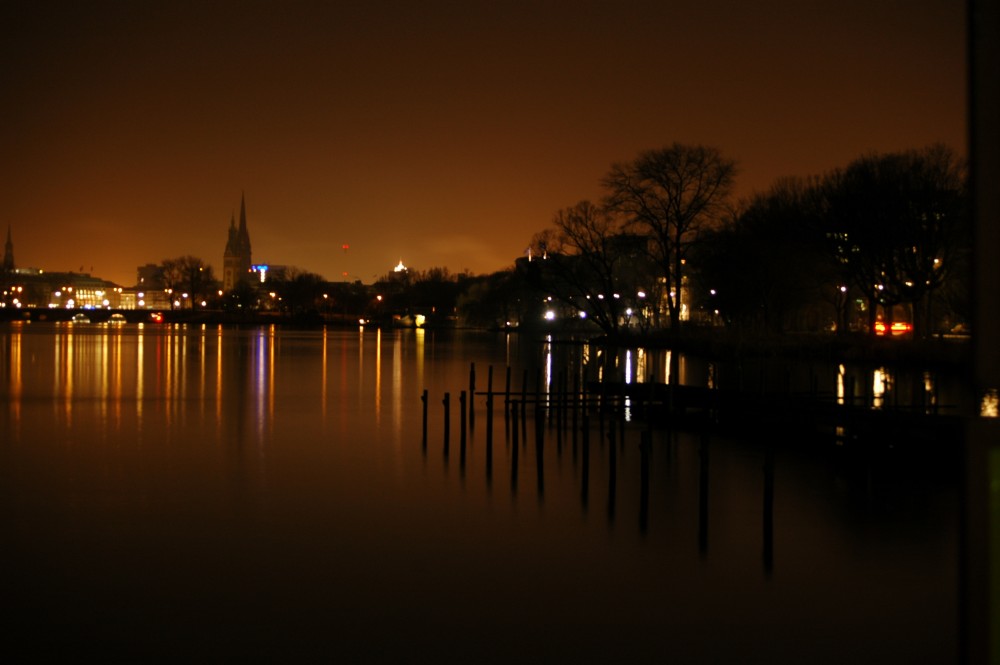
210	492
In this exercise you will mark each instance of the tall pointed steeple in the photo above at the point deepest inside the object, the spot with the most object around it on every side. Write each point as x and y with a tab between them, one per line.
237	258
8	253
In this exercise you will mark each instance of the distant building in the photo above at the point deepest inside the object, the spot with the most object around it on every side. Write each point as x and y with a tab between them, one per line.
149	276
236	262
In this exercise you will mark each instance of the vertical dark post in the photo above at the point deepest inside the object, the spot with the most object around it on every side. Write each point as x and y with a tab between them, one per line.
423	398
447	421
524	391
506	391
768	511
560	398
463	404
472	394
979	600
489	404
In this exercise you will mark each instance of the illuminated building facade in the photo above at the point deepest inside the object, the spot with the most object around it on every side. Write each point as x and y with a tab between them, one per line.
236	261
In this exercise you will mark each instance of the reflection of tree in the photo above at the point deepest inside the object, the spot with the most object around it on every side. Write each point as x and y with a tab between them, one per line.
671	194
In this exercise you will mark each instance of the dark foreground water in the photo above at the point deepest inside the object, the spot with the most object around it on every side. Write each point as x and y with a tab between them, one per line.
213	494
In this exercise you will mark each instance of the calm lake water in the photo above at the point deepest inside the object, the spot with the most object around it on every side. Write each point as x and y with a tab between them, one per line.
210	493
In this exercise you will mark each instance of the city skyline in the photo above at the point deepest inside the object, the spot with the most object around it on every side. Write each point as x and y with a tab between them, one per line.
440	135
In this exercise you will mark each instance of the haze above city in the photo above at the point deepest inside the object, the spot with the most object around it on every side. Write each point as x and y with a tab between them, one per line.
436	133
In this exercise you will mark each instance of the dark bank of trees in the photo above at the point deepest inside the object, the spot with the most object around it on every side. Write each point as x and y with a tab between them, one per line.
886	236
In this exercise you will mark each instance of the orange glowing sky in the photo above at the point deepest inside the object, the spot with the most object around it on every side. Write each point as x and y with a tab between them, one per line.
439	133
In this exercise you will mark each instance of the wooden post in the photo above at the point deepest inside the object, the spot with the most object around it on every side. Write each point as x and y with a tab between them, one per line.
506	391
447	421
423	398
489	403
472	393
463	403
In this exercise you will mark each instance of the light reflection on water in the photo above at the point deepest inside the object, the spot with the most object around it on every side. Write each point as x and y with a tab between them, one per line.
264	491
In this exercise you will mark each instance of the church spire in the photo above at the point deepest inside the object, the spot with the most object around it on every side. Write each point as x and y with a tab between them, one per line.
237	257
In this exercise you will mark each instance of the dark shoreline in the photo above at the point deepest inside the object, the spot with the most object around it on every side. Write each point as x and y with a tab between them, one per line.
954	353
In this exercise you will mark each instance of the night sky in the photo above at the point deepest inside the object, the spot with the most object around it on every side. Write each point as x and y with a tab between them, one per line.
439	133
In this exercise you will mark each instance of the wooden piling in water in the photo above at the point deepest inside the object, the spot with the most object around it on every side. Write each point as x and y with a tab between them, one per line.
423	398
489	402
447	421
472	393
524	391
506	391
463	404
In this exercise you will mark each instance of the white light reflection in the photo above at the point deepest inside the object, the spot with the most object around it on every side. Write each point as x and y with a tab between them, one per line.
15	377
420	355
548	368
881	384
378	375
397	385
322	384
989	407
930	395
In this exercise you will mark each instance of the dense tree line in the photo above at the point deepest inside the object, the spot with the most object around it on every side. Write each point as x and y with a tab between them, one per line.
666	246
887	234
